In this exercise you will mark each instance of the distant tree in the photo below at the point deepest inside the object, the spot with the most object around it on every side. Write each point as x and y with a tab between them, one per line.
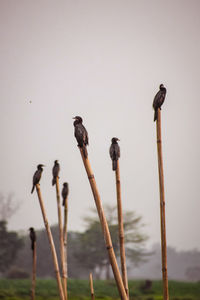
92	254
8	206
10	244
193	273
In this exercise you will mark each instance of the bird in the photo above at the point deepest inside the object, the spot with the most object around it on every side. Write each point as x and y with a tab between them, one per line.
32	235
81	135
114	152
158	100
55	171
37	176
65	192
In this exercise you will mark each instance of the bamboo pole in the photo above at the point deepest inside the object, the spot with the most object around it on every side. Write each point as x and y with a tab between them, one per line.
51	242
91	287
162	209
33	272
105	229
62	254
65	239
121	230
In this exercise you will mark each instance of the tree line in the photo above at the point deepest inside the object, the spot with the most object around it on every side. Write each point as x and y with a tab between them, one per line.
86	250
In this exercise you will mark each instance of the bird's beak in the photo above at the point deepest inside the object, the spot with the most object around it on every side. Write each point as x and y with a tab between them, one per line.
74	118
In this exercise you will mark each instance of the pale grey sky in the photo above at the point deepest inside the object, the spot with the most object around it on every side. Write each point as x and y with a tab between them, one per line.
102	60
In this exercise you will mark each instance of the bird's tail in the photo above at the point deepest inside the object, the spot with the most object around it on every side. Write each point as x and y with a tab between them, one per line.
114	165
53	180
63	203
85	153
156	114
32	189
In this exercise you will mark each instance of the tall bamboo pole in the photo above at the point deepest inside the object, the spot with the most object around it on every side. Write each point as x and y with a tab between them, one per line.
51	242
162	209
65	239
33	272
62	254
91	287
121	230
105	229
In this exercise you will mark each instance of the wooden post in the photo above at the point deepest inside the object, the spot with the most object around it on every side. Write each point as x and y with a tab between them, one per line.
105	229
51	242
62	254
121	230
91	287
162	209
65	239
33	272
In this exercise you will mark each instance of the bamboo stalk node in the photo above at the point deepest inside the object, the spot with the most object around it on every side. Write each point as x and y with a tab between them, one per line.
109	247
159	141
91	176
46	223
118	181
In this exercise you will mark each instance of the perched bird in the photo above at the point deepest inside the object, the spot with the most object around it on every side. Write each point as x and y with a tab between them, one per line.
158	100
81	135
37	176
114	152
55	171
32	235
65	192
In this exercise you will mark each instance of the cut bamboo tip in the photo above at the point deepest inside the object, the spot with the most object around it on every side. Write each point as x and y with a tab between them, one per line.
91	287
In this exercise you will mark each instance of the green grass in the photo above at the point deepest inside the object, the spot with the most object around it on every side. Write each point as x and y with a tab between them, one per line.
13	289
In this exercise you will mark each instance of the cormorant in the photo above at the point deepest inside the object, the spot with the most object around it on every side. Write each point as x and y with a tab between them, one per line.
55	171
32	237
114	152
37	176
65	192
158	100
81	135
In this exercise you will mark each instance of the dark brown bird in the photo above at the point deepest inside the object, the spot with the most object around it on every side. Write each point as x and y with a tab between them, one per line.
81	135
65	192
37	176
55	171
32	235
158	100
114	152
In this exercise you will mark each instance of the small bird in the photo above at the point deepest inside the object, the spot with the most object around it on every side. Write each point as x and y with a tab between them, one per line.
37	176
32	235
55	171
81	135
114	152
65	192
158	100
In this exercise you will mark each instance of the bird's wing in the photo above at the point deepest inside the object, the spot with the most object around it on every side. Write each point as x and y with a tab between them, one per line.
86	138
56	170
117	151
156	99
111	151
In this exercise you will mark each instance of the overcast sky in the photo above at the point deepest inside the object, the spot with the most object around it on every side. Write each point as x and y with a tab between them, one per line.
102	60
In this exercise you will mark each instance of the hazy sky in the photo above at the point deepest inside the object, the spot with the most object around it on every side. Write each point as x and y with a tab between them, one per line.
102	60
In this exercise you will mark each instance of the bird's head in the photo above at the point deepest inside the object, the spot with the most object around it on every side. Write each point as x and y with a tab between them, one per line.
31	229
65	184
40	166
114	140
161	86
56	162
78	119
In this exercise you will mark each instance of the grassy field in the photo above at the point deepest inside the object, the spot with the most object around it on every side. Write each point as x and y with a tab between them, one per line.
79	289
